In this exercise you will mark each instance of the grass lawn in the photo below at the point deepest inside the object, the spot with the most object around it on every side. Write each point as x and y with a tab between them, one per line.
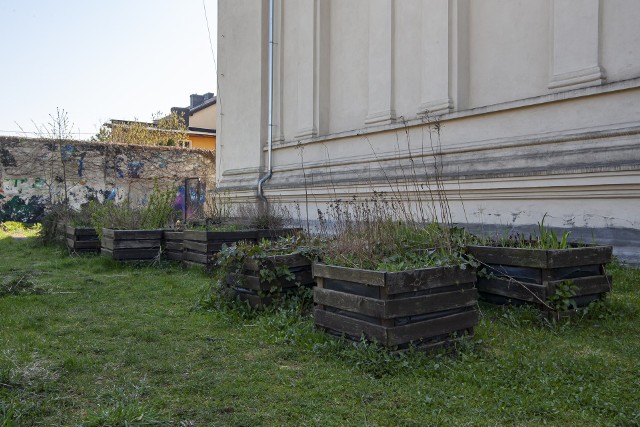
84	341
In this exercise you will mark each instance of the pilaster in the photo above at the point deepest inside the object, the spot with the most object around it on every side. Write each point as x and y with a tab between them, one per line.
575	56
381	41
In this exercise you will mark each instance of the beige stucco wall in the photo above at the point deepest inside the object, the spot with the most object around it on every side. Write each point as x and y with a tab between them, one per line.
205	118
538	103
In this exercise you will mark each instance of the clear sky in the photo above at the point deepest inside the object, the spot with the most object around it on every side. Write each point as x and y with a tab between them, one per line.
102	59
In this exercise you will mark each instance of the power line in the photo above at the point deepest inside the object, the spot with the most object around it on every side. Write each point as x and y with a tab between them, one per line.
213	55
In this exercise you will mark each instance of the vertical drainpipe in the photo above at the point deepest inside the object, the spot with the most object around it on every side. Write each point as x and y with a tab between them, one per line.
262	180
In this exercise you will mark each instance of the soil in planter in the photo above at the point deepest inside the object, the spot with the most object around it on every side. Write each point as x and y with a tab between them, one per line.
426	308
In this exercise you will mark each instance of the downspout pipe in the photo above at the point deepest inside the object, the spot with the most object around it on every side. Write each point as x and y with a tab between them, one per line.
265	178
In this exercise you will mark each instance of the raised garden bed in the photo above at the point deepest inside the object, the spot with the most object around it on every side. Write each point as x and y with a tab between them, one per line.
172	245
532	276
131	245
260	281
82	239
200	246
428	307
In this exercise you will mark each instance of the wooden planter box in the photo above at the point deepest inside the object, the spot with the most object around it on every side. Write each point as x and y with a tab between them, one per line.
82	240
530	276
131	245
259	293
172	245
200	246
427	307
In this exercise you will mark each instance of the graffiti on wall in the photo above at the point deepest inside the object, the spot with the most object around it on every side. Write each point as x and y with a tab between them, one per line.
36	171
27	211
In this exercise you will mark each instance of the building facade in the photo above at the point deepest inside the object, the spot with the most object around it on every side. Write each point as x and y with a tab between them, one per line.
532	107
200	118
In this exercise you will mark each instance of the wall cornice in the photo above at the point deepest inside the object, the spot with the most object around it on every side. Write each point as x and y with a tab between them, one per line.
402	122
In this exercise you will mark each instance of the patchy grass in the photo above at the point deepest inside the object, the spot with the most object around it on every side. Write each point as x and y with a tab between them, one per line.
112	345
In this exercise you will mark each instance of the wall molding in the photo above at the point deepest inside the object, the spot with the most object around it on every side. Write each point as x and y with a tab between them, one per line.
624	85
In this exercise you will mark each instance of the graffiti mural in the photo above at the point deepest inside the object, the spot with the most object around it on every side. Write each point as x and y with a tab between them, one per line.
34	172
19	210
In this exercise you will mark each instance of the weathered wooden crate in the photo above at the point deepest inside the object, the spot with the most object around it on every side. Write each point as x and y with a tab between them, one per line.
428	308
82	239
172	244
530	276
260	293
131	245
200	246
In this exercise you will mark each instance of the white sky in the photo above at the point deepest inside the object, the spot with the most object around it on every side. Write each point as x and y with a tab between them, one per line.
101	59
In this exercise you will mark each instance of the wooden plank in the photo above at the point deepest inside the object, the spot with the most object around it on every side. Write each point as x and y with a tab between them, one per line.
586	285
172	235
579	256
566	273
349	326
367	277
523	274
173	246
373	307
352	287
245	281
131	234
134	254
304	278
88	244
87	238
378	308
80	231
452	288
432	328
510	289
195	257
291	261
430	303
195	235
173	256
196	246
520	257
131	244
428	278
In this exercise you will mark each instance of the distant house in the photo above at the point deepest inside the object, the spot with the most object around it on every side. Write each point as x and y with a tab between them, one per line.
200	118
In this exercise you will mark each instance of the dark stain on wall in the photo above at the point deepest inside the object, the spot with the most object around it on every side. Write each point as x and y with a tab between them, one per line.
30	211
7	159
135	169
